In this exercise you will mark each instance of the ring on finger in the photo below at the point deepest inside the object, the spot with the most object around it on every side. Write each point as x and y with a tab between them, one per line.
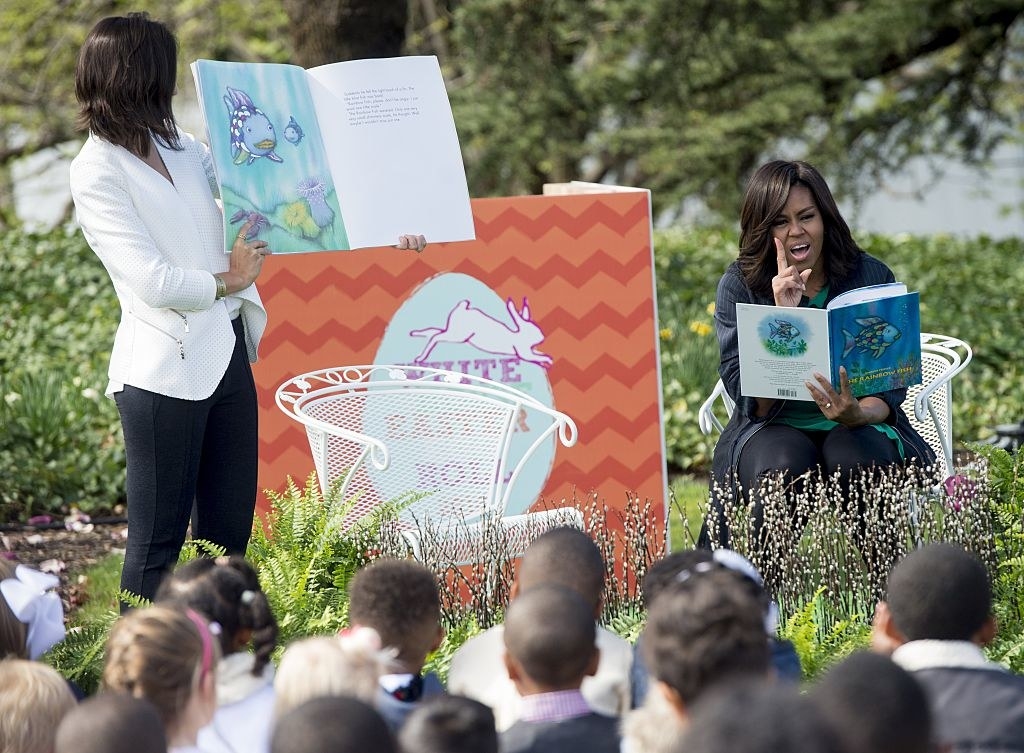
828	405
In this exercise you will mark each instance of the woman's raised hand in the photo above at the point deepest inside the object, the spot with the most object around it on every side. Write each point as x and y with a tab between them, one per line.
789	284
412	242
246	260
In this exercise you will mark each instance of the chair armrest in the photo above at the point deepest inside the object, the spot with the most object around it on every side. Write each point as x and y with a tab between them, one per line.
954	350
706	417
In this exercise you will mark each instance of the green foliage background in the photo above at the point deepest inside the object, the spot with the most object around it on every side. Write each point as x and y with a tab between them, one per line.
60	443
684	98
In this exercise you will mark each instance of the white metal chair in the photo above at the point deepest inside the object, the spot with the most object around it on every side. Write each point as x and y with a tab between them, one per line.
438	443
928	405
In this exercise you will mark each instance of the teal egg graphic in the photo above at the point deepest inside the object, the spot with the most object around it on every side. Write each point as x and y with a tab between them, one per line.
457	323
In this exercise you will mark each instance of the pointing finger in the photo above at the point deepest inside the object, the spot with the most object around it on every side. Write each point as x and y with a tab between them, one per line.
780	253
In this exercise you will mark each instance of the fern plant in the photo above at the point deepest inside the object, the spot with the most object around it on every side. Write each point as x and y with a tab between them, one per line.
821	640
307	552
79	657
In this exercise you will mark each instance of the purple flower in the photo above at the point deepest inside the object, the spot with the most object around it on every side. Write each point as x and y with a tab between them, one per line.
313	191
259	222
960	490
40	520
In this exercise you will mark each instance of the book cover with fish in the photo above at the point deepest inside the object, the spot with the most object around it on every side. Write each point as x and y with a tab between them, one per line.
347	155
875	334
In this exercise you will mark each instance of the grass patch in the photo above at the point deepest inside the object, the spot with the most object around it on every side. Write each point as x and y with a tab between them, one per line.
687	499
101	586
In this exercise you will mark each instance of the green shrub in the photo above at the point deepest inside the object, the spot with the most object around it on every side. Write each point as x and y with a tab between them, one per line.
60	443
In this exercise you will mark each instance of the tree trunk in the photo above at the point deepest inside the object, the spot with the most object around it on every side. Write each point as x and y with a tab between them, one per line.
326	31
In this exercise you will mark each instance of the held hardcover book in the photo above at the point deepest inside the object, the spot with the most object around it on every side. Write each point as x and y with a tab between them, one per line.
875	332
342	156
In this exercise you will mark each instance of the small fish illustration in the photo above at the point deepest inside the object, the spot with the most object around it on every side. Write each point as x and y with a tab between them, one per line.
293	131
782	331
252	133
874	337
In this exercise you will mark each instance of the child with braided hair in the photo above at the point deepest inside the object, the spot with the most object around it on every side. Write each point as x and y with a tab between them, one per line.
226	591
168	656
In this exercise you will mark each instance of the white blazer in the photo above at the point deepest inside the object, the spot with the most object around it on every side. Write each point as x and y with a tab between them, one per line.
161	245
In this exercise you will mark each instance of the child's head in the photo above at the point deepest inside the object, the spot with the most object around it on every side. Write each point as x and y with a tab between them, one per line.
450	724
939	592
662	573
112	723
399	599
33	700
549	640
168	656
226	591
705	629
756	717
564	557
338	724
349	664
874	706
31	613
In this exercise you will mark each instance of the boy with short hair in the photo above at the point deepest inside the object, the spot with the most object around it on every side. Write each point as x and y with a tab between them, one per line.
334	724
936	617
874	706
399	599
111	723
756	718
450	724
549	648
566	557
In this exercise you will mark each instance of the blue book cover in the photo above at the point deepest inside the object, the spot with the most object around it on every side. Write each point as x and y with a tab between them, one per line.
879	343
875	332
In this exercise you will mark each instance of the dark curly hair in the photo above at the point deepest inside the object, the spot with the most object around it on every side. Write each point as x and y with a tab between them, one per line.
400	600
225	590
704	630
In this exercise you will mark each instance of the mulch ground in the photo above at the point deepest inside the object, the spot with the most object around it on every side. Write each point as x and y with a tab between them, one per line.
64	553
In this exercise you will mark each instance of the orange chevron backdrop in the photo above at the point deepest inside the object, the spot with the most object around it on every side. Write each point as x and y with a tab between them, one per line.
584	262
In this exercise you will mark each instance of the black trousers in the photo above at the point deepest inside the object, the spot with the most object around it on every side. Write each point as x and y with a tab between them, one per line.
778	447
184	455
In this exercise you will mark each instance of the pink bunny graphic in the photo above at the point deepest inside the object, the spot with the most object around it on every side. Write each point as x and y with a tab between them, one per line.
472	326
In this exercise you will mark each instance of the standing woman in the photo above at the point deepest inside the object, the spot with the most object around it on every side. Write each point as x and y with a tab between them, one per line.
796	250
191	318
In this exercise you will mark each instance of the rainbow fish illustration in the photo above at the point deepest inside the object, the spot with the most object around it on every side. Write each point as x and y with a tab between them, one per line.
874	337
293	131
252	133
782	331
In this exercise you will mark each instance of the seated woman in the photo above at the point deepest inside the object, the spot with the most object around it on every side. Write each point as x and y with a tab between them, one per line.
796	250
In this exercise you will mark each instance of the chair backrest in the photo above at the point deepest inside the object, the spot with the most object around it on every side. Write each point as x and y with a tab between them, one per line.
436	441
928	405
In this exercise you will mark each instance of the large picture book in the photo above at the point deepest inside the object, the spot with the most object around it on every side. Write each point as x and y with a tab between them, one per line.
342	156
874	331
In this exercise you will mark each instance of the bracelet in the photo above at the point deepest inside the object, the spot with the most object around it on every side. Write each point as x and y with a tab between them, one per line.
222	287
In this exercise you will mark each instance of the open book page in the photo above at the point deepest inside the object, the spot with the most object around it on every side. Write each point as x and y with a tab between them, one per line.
868	293
269	155
575	187
393	149
877	340
780	348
